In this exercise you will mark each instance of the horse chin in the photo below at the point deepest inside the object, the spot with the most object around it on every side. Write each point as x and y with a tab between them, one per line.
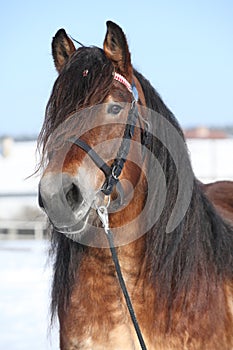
75	230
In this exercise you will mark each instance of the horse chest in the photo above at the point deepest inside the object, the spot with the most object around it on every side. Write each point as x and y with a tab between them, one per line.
97	317
122	337
106	328
88	326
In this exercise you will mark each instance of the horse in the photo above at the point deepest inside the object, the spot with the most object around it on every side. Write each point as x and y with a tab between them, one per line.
114	158
221	195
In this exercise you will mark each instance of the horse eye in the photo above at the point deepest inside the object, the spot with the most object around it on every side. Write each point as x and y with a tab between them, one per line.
114	109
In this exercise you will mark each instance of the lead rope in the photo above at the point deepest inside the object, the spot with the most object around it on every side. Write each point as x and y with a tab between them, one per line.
102	212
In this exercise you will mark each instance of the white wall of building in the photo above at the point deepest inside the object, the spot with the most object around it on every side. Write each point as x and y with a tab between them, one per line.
211	160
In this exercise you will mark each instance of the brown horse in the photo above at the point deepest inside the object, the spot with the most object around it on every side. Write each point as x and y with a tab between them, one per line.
221	195
109	141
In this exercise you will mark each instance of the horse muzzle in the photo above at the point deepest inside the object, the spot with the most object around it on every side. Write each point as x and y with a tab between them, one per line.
60	197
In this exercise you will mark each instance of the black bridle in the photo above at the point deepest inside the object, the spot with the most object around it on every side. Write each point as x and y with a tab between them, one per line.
112	172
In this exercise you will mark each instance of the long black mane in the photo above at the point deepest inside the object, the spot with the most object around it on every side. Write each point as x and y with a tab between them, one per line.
200	248
201	245
80	92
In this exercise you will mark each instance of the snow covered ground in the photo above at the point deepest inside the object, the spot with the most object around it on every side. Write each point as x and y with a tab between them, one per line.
24	296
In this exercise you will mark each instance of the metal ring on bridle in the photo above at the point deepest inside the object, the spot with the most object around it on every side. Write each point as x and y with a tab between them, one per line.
113	173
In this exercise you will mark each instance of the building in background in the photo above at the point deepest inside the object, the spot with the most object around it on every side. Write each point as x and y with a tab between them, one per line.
19	211
211	153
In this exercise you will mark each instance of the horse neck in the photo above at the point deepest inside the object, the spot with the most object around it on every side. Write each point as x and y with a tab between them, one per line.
131	259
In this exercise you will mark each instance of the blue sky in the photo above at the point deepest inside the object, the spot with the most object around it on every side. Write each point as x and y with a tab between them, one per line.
185	48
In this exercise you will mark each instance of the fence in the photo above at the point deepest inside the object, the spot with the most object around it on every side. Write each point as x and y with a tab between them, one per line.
13	229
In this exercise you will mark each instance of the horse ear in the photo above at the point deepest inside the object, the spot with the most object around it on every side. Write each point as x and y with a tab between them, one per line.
62	48
116	49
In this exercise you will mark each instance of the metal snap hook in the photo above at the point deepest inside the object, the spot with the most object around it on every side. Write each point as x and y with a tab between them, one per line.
102	212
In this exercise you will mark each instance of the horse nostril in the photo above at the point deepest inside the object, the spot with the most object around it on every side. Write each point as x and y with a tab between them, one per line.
74	197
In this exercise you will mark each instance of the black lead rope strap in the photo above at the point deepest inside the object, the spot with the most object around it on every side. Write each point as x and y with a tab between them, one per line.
103	215
124	290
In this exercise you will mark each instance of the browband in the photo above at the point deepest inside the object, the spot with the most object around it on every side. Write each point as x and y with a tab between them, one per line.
123	81
130	87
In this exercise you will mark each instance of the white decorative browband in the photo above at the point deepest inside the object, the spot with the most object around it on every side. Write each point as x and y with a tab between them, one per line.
131	88
123	81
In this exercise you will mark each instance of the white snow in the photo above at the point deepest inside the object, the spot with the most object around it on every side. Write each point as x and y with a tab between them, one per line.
24	296
17	167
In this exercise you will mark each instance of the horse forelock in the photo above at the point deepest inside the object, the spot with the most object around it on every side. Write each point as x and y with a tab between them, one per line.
84	81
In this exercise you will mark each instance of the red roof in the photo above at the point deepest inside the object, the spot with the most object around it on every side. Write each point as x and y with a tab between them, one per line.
205	133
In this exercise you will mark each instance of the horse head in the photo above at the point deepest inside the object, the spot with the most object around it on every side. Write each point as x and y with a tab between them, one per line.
92	137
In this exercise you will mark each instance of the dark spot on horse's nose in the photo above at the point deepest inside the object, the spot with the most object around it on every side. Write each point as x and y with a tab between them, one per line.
74	197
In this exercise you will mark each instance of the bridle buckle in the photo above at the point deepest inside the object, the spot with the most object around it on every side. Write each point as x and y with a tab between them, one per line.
114	175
